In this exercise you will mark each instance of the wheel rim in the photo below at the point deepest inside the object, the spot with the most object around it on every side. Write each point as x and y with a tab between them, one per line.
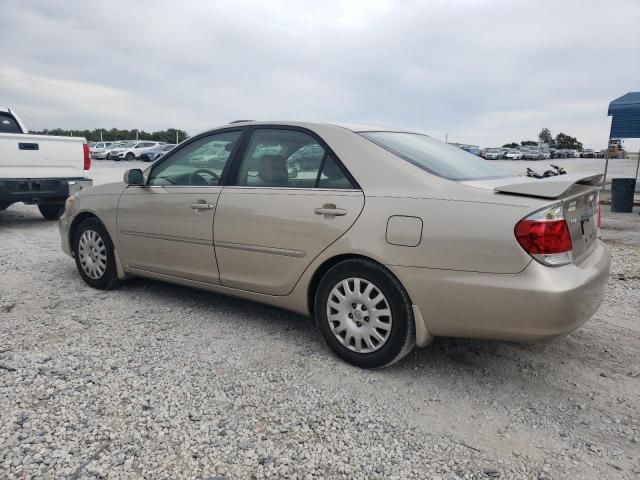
92	254
359	315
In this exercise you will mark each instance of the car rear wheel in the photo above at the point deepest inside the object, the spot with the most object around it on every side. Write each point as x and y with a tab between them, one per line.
51	211
297	165
130	157
93	251
364	314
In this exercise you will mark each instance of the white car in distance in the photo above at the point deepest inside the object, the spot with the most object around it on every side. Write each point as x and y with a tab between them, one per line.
513	155
131	150
100	149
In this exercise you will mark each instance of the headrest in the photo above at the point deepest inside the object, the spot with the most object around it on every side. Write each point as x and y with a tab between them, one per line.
273	169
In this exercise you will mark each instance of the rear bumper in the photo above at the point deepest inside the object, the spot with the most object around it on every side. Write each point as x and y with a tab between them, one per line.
539	303
40	190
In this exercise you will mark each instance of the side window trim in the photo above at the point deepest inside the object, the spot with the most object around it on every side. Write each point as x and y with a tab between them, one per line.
231	179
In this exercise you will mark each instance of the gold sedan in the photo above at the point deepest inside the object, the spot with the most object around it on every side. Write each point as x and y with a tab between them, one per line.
386	237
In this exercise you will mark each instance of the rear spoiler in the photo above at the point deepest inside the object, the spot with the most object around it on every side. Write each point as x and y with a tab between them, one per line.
551	187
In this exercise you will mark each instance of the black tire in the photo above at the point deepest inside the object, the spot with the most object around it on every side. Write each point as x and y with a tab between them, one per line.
297	165
130	157
400	340
51	211
109	278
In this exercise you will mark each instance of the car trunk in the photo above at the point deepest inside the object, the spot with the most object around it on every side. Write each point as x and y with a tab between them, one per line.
578	195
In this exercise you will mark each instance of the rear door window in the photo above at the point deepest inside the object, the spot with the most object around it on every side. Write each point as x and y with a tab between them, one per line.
289	159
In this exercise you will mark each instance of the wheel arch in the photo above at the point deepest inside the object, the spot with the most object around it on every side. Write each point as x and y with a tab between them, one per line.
73	228
331	262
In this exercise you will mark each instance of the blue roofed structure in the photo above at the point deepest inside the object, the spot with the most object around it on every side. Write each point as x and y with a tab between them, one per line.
626	116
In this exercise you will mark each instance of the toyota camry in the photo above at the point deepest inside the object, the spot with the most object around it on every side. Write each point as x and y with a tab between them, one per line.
389	239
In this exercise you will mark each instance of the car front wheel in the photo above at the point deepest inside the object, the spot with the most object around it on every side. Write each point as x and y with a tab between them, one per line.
94	255
364	314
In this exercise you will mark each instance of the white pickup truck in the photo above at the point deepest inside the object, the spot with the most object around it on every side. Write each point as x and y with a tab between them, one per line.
40	170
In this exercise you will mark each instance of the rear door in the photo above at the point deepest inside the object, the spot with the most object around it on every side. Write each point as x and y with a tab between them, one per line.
274	219
166	226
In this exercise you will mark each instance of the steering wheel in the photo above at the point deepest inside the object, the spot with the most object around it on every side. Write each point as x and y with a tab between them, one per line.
196	175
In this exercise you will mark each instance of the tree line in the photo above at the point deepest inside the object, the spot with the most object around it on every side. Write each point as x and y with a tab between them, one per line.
561	140
106	135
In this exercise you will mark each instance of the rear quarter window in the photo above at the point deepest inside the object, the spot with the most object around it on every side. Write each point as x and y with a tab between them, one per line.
436	157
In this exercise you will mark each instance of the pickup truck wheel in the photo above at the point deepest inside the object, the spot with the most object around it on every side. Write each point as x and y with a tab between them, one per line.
364	314
130	157
93	251
51	211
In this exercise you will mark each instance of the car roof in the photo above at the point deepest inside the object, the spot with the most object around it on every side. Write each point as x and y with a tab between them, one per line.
354	127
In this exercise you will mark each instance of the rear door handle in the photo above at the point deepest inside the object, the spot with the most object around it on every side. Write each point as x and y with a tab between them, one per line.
202	206
331	211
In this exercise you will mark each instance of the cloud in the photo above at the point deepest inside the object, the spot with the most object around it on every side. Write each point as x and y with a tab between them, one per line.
482	71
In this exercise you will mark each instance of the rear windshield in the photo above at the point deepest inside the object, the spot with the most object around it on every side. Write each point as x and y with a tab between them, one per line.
8	124
436	157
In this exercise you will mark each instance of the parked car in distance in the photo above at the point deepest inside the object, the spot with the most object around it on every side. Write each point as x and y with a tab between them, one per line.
471	149
514	155
546	154
131	150
588	153
156	152
494	153
307	158
573	153
41	170
532	154
379	276
99	150
118	146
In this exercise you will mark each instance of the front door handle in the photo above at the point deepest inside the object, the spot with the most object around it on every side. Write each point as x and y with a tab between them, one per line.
201	205
330	210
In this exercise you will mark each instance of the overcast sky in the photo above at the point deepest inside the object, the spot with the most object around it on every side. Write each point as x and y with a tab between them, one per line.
483	71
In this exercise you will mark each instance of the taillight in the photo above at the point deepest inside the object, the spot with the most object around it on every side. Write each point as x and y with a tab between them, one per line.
87	156
545	236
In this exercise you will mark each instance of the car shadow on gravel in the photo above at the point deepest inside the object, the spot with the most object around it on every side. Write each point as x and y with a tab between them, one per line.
470	355
11	217
187	297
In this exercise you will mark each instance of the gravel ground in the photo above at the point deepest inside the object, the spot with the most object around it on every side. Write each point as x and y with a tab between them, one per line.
158	381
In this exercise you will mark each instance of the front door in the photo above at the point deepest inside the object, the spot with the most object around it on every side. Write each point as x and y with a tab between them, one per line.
276	218
166	226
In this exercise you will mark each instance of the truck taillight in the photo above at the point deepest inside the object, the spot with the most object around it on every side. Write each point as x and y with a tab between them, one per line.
545	236
87	156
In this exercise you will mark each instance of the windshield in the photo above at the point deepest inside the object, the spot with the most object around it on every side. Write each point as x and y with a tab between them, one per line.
436	157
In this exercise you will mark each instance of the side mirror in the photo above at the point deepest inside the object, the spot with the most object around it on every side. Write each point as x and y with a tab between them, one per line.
133	176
